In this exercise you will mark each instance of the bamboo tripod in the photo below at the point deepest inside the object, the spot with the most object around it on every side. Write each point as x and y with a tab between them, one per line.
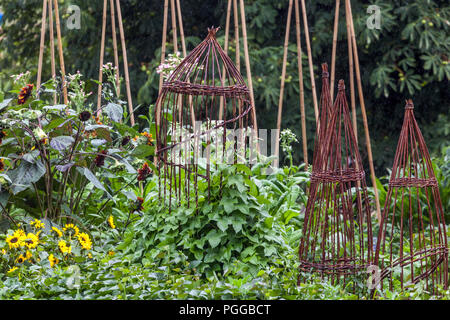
300	77
51	8
175	12
236	9
353	62
113	9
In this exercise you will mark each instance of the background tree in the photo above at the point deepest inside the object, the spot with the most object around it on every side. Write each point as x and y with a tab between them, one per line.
407	58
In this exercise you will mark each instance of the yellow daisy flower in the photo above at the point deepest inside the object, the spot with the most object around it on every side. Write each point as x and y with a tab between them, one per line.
20	233
111	253
14	241
37	224
53	260
3	251
28	255
71	226
57	231
20	259
31	241
111	222
85	241
64	247
12	270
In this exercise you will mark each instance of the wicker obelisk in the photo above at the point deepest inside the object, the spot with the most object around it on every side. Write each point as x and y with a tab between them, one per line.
412	242
337	241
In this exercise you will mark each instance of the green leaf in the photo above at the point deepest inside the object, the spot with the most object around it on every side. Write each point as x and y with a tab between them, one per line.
26	174
92	178
214	238
114	111
62	142
143	151
222	223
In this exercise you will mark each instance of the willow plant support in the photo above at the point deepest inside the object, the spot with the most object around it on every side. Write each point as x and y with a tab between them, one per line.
354	69
412	240
52	8
114	8
190	136
337	240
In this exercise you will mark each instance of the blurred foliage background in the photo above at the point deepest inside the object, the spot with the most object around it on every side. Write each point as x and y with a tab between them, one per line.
407	58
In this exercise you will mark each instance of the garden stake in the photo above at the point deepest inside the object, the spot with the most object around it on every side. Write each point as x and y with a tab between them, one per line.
52	46
413	216
60	52
248	69
116	56
354	63
186	149
337	240
300	77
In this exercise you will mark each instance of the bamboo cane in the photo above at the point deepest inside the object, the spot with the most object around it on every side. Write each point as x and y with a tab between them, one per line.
60	51
180	22
102	50
52	45
311	70
225	49
351	75
116	53
236	35
174	26
300	84
247	65
164	40
333	52
363	110
283	76
125	62
42	44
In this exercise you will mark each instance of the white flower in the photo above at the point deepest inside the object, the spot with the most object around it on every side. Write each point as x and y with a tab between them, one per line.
40	134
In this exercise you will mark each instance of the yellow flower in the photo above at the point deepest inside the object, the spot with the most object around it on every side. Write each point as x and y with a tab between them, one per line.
57	231
73	227
90	255
28	255
3	251
111	222
111	253
53	260
20	233
31	240
12	270
64	247
37	224
85	241
20	259
13	241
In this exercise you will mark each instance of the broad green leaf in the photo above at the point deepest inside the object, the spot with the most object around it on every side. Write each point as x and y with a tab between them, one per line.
61	143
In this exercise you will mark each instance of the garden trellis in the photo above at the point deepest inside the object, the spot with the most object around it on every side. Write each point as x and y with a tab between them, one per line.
337	239
300	76
51	8
354	69
412	241
246	53
175	12
191	134
116	55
